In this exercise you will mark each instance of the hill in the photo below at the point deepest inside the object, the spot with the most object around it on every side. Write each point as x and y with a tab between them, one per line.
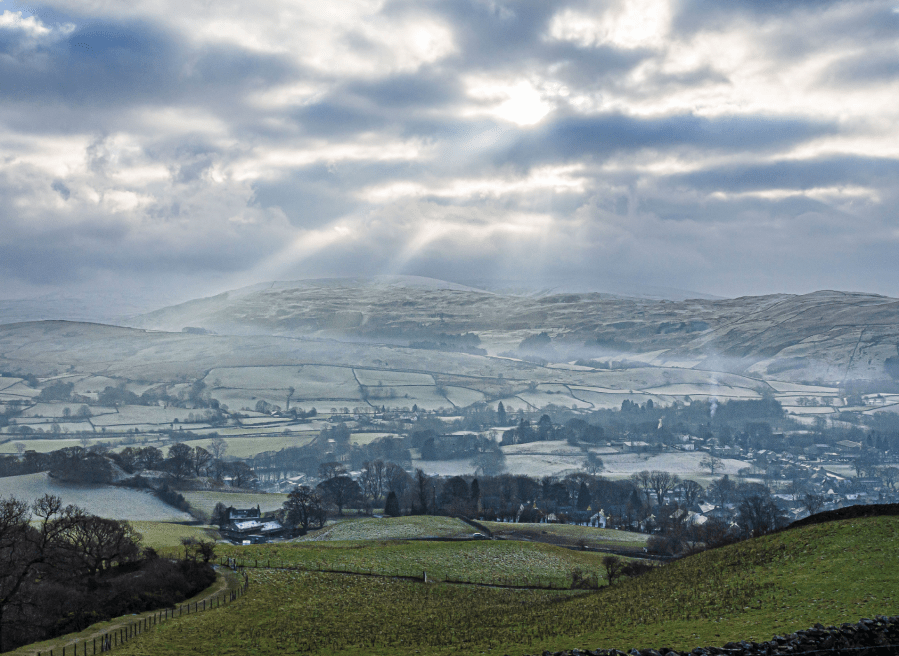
828	573
826	335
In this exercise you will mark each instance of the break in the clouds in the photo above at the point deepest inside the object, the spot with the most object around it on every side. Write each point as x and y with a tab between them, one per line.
731	148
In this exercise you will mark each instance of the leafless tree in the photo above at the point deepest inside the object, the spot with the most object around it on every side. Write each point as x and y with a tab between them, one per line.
758	514
341	491
218	447
328	470
662	482
303	506
614	568
200	459
711	463
242	475
641	480
95	543
812	502
593	464
691	491
889	475
373	479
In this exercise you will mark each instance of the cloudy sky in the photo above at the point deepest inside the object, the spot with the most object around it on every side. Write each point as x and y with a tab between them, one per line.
725	147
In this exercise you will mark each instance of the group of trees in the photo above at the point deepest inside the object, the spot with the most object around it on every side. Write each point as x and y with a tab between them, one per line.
62	569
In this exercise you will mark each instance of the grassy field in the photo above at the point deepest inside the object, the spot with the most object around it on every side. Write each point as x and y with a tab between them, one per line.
492	562
829	573
570	535
164	535
419	526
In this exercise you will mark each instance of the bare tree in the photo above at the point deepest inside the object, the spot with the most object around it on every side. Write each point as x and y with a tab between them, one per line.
20	447
758	514
812	502
218	447
341	491
303	506
95	543
200	458
691	491
662	482
890	476
711	463
328	470
242	475
593	464
614	568
372	479
641	480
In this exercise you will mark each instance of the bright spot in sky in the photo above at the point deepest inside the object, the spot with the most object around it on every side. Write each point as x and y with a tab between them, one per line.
518	103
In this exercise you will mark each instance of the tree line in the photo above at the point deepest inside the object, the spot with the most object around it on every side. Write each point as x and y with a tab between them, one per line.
63	569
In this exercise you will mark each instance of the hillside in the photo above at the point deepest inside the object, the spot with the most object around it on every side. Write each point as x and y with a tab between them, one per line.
828	573
828	336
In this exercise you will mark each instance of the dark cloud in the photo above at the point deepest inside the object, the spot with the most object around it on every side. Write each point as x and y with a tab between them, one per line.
597	137
794	174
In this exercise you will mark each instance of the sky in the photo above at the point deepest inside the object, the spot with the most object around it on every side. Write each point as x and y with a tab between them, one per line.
188	147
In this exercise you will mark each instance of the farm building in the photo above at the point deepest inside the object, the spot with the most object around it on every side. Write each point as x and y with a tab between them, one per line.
254	531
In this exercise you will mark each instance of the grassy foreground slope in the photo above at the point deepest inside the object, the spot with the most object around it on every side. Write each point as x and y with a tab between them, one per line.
829	573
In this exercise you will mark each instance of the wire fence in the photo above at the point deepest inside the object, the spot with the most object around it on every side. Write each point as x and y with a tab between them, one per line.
109	640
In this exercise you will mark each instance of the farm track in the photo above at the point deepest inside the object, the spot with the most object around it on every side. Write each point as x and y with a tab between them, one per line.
225	580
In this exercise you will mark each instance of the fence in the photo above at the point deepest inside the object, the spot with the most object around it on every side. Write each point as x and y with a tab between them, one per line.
117	637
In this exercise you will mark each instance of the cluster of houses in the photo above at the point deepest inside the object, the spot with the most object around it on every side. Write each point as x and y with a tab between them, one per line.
247	526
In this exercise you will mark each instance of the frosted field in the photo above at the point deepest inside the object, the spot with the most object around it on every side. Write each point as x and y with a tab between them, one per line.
46	424
541	398
6	382
57	410
530	465
263	421
605	401
554	447
372	377
682	464
19	391
105	501
368	438
809	410
40	446
780	386
720	391
308	381
425	398
130	415
245	447
462	397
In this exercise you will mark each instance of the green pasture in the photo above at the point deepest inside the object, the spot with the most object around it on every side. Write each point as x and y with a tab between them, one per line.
396	528
570	535
167	536
829	573
492	562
